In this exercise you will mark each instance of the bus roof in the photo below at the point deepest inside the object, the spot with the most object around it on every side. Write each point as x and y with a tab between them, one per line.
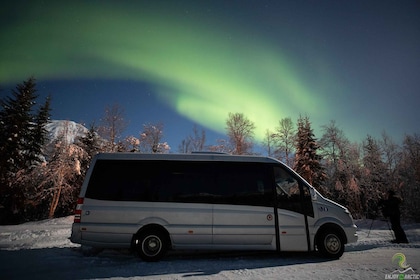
205	156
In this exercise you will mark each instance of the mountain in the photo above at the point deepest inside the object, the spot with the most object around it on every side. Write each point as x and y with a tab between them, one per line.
69	129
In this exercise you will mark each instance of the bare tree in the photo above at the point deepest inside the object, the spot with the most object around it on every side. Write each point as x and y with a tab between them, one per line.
392	157
269	143
373	179
409	177
222	146
285	138
62	170
341	163
151	137
240	131
113	125
55	183
333	146
132	144
193	142
332	142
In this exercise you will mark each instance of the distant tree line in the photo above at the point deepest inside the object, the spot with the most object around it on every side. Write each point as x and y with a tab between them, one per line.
40	178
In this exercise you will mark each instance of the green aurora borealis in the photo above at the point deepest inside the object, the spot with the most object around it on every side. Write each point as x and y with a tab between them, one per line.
201	68
353	62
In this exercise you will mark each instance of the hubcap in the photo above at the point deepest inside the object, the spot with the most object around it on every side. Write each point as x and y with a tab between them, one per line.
332	243
151	245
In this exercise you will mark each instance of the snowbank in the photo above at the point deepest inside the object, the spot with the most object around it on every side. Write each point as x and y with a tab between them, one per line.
41	250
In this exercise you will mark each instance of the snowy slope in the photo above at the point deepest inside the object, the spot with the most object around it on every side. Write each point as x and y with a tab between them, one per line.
69	129
41	250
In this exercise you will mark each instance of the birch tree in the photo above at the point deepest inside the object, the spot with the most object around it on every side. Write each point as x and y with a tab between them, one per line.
151	139
194	142
285	138
240	131
373	183
113	125
61	185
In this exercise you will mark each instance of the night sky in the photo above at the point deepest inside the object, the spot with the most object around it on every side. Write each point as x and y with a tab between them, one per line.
192	62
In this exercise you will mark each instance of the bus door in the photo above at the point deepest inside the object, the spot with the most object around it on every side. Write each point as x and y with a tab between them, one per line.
243	205
295	211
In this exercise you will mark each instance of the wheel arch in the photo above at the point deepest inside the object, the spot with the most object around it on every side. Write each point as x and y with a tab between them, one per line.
152	227
331	227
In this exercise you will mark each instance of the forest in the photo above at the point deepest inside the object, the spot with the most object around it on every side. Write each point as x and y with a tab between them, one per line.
41	177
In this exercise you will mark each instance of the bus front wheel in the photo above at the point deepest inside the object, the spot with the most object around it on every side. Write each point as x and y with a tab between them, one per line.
330	244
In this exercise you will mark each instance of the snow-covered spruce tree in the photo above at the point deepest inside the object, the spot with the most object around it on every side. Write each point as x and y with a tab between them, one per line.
307	161
40	134
91	142
17	124
52	187
22	136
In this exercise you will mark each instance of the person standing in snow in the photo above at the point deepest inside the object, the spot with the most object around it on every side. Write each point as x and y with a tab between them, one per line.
391	210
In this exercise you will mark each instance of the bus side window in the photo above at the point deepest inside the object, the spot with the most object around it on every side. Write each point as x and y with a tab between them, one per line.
289	195
243	184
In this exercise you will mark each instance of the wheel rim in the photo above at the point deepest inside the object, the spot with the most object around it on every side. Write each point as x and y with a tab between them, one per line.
332	243
151	245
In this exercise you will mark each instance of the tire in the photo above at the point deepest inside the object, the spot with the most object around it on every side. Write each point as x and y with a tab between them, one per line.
330	244
151	245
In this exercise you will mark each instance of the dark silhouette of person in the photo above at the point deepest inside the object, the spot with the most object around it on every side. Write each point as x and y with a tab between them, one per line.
392	211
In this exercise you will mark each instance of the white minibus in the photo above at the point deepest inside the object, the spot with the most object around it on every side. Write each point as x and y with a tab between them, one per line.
153	203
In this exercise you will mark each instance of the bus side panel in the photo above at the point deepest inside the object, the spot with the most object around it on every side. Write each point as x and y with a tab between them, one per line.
115	222
243	225
292	231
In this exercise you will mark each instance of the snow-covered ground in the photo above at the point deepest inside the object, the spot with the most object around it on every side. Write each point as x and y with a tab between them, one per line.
41	250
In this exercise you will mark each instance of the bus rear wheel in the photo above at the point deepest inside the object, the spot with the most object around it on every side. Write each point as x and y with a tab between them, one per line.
151	245
330	244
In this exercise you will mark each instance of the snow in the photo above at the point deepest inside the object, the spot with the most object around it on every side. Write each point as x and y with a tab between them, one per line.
71	130
42	250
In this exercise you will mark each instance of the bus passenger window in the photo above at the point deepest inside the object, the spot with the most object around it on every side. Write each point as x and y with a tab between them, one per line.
292	194
288	191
